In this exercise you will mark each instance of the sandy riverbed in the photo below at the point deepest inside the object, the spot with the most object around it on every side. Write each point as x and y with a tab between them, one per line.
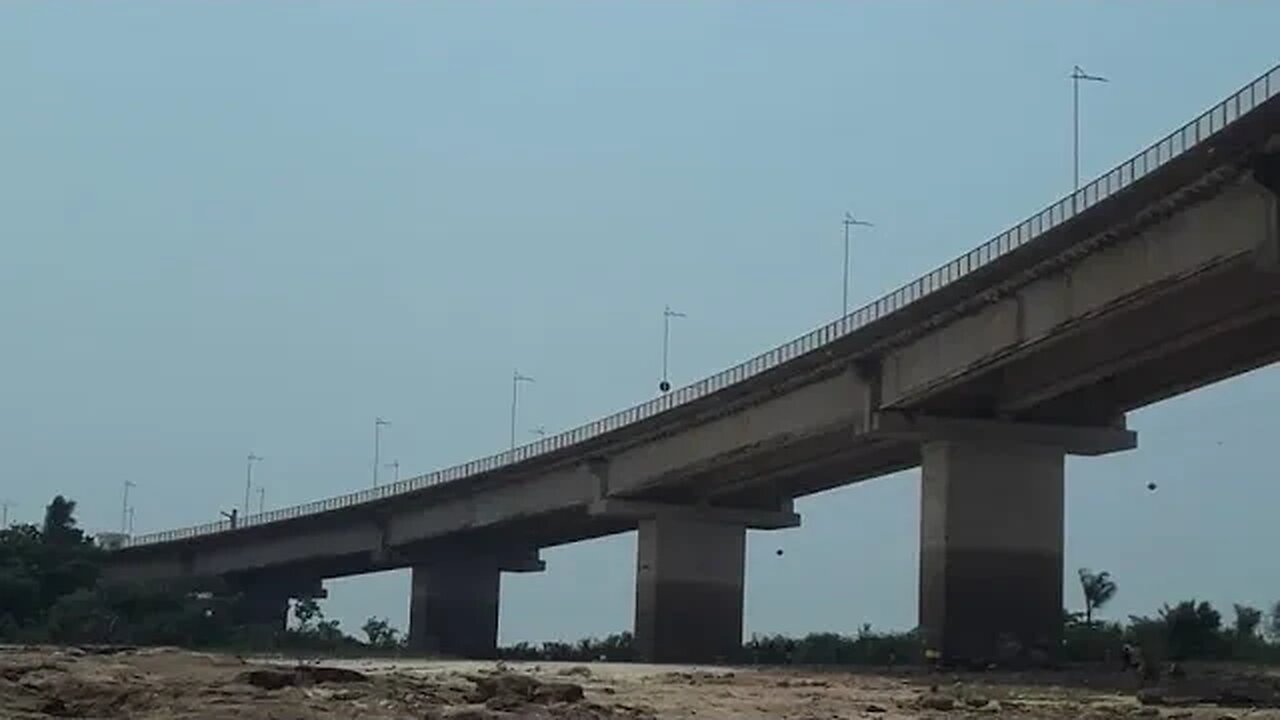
166	684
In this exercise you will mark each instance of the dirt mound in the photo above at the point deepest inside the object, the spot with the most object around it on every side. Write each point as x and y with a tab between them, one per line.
166	684
1240	690
303	675
507	691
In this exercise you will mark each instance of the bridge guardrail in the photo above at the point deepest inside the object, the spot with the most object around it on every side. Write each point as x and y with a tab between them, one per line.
1175	143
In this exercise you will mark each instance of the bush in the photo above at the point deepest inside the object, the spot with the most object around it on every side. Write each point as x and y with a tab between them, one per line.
1192	631
770	650
867	648
82	616
1091	642
381	635
613	648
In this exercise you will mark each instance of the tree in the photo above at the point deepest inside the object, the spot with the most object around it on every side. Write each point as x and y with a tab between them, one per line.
1098	589
82	617
380	633
60	523
308	614
1191	630
1273	624
1248	620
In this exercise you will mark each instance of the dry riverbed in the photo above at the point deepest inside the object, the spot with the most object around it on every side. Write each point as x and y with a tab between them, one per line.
167	684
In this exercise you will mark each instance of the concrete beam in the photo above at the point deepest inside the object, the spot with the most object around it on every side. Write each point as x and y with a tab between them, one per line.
523	562
828	404
1070	291
746	517
313	590
1265	178
514	560
1070	439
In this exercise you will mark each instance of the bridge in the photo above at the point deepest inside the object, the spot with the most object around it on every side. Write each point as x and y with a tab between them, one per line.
1156	278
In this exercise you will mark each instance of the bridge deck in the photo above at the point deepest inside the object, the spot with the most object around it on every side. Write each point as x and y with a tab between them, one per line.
1230	130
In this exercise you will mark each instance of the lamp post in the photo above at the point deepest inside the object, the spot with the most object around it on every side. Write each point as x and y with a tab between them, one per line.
248	480
1078	74
516	379
378	424
848	222
667	313
4	511
124	506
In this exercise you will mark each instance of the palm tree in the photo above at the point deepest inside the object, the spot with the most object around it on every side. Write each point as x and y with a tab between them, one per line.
1098	588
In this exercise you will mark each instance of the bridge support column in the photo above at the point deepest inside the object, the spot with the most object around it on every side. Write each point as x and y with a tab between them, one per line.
265	609
453	607
991	531
991	539
265	601
689	572
689	590
453	610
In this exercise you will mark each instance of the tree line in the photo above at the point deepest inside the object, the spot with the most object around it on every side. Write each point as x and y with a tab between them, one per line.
50	592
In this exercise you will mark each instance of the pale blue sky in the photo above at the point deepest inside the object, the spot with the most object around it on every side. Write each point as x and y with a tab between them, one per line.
246	226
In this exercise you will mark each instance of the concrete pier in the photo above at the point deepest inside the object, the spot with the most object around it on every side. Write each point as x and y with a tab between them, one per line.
991	537
267	608
265	601
689	589
453	610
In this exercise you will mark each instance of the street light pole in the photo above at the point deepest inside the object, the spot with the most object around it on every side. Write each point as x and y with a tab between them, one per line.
667	314
262	500
4	510
394	465
131	509
124	506
248	480
516	379
848	221
1078	74
378	424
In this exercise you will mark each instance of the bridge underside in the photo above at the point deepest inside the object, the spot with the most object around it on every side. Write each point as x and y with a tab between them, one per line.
1222	322
1049	368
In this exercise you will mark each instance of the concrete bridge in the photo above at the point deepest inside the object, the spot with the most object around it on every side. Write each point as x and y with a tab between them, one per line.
1159	277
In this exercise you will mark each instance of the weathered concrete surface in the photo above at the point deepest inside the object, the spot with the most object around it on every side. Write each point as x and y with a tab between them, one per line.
453	609
689	575
1149	267
991	535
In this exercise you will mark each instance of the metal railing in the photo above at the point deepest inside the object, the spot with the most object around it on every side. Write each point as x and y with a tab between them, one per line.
1145	162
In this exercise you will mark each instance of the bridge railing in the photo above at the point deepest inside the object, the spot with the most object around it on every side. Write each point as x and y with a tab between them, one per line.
1175	143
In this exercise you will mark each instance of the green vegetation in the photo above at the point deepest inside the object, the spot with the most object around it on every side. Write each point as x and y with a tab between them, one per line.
50	592
865	648
614	648
1098	590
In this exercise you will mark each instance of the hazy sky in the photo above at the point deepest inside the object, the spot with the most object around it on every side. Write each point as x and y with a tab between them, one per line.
232	227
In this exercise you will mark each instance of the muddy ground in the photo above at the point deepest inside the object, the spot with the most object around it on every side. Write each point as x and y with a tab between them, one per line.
145	684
